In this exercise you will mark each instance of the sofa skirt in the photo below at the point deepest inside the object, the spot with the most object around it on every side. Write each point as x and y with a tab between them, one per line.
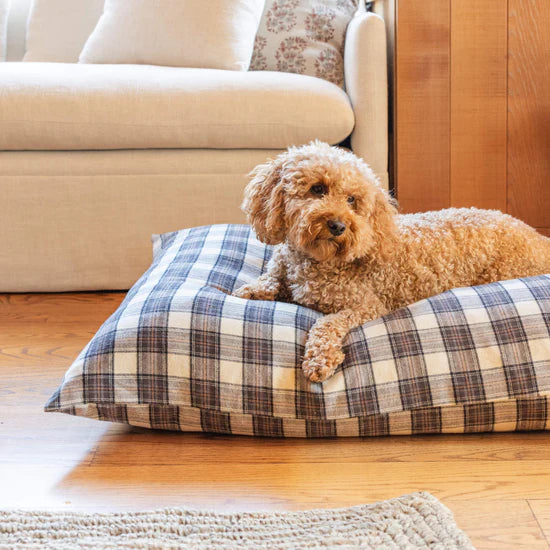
83	220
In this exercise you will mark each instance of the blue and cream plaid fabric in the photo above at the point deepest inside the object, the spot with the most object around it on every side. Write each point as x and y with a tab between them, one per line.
180	353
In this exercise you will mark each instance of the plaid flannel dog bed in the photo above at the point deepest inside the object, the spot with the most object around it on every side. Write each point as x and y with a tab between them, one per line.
180	353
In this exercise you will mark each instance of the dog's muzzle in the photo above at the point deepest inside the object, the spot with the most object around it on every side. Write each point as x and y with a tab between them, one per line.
336	227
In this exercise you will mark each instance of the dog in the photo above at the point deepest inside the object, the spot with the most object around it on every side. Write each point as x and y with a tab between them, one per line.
343	249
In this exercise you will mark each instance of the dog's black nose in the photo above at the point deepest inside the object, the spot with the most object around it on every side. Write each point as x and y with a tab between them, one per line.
336	227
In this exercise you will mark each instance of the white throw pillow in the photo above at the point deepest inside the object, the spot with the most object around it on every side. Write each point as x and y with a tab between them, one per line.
216	34
4	10
305	37
58	29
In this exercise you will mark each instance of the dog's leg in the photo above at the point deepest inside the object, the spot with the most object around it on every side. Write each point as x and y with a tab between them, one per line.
265	288
269	286
324	343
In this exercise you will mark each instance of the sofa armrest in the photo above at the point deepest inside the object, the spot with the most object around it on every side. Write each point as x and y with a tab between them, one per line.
366	78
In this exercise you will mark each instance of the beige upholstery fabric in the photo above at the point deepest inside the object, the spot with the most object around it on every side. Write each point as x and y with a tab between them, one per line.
58	29
80	220
83	220
217	34
365	69
74	106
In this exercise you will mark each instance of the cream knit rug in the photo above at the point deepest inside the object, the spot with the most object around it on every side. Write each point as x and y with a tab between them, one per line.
412	521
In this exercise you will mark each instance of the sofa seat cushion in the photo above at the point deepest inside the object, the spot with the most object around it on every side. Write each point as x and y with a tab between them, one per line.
75	106
180	353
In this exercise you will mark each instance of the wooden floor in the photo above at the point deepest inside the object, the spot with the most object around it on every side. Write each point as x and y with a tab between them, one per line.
498	486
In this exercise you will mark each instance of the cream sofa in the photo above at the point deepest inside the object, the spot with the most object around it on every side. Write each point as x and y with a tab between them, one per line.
96	158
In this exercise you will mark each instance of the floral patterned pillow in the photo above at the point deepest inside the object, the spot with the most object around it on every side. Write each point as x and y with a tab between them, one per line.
304	36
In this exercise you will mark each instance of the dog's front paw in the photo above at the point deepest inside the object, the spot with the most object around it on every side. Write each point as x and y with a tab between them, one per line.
319	365
246	292
251	292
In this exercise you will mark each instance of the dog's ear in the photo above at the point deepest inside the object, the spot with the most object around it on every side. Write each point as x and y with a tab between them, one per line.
264	201
384	224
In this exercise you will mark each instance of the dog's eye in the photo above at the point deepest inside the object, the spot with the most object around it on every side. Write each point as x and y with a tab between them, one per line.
351	200
319	190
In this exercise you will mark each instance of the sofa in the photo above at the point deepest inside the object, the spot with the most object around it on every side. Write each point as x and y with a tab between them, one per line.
94	159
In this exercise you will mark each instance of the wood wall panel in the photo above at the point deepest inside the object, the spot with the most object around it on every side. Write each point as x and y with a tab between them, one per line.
529	111
472	102
478	103
422	105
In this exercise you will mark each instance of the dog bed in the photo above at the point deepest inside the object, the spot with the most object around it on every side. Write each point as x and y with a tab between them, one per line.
180	353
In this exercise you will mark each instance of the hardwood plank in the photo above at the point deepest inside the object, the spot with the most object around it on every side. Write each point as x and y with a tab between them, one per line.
151	449
66	311
422	99
528	108
50	329
544	230
541	511
345	482
277	486
478	103
499	525
40	303
55	351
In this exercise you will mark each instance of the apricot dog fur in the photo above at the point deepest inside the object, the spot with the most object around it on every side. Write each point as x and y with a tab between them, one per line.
343	249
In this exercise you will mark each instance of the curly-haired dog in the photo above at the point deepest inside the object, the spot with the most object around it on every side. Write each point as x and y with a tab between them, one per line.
344	250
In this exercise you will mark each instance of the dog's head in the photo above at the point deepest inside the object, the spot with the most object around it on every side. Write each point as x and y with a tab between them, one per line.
324	201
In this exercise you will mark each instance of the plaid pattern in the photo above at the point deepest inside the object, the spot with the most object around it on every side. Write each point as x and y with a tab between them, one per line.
180	353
